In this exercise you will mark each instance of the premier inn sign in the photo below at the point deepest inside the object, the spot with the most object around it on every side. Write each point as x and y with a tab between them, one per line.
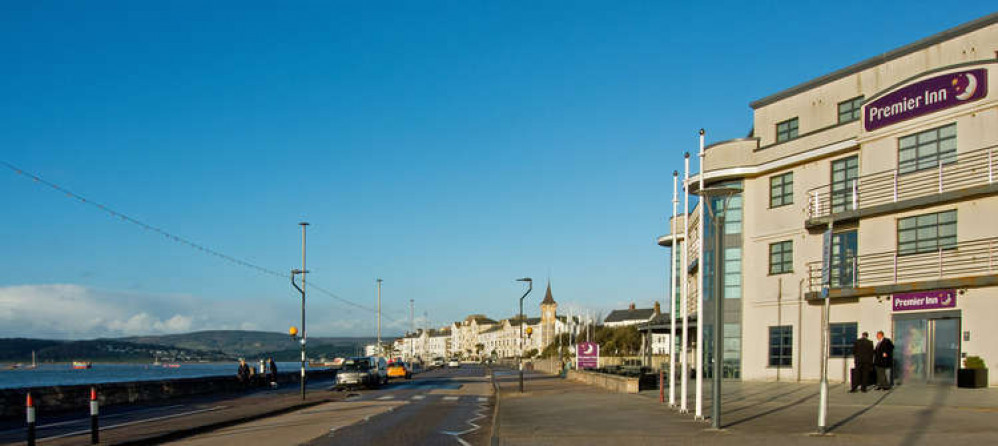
924	97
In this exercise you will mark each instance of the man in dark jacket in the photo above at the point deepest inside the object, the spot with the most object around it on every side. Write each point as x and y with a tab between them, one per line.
862	352
883	360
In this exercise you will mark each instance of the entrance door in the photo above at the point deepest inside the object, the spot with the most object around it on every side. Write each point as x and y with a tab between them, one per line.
927	348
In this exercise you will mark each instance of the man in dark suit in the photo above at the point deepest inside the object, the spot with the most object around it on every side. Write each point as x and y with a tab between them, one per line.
883	360
862	352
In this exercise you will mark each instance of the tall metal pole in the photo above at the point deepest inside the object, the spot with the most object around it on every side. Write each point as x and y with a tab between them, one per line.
715	407
684	303
380	353
304	332
826	283
530	284
412	327
673	273
700	288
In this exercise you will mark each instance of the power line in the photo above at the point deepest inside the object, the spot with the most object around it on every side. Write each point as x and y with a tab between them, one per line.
175	238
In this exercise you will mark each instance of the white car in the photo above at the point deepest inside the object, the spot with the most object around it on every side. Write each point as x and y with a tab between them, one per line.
453	363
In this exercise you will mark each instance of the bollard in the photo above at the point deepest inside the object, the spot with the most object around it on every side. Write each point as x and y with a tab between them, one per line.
661	386
94	410
30	406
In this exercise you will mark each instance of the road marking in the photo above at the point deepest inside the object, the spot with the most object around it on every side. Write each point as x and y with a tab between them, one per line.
479	414
115	426
386	397
418	397
450	398
482	399
103	417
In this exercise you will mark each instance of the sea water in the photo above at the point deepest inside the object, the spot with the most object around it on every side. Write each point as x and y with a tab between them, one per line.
64	374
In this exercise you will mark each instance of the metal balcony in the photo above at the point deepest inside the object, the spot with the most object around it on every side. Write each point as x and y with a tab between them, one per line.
969	264
969	174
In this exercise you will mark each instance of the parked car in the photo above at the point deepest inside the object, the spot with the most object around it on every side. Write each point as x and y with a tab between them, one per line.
399	369
365	371
438	361
454	363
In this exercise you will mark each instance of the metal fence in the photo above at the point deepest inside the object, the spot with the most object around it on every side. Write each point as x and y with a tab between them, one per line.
969	169
971	258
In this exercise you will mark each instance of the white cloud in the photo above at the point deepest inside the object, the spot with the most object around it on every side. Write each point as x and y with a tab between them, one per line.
69	311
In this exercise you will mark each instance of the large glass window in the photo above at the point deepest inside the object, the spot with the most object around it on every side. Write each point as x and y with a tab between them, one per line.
925	150
732	350
781	346
850	110
781	257
842	337
844	251
844	173
786	130
781	190
732	273
927	233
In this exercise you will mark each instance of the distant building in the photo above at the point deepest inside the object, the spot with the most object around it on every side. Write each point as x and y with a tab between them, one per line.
631	316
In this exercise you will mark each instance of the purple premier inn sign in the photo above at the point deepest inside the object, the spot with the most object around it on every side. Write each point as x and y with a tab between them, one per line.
925	300
924	97
587	355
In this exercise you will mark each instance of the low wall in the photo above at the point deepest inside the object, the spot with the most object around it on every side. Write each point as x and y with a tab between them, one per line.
57	399
613	383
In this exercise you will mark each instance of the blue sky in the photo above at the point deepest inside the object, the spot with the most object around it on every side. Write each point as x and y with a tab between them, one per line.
447	147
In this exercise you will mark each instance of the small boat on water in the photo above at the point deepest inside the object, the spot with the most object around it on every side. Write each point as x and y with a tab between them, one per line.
82	365
171	365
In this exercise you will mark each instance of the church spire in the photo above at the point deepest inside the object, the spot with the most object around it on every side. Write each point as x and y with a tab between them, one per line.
548	300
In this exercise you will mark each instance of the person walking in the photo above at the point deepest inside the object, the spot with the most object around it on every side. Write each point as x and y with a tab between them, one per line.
862	352
883	360
272	372
243	374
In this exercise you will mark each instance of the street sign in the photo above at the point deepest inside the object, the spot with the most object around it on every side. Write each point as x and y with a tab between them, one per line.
826	263
587	355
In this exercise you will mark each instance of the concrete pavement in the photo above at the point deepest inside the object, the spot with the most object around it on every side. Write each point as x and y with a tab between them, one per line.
555	411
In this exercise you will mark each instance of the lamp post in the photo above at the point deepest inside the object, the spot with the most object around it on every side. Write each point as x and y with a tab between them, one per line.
301	290
710	193
530	284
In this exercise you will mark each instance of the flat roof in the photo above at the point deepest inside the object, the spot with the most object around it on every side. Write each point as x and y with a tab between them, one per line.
948	34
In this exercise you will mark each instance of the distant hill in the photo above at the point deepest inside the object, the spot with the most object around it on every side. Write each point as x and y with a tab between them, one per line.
19	350
243	343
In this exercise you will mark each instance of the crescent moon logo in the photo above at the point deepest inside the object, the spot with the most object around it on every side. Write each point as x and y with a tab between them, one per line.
970	89
947	300
589	349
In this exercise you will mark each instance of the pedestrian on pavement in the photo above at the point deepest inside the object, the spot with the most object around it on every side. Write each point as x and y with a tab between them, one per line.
862	352
884	361
243	373
272	372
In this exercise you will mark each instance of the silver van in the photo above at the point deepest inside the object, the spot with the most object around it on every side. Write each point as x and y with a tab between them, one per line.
364	371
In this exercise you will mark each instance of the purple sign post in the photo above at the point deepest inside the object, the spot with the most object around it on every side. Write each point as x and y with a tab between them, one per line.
924	97
587	355
925	300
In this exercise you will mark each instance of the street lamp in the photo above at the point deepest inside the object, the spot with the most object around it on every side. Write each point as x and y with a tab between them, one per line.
301	290
724	193
530	284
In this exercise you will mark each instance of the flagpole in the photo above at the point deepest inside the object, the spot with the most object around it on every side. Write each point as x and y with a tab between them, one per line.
672	291
684	303
700	271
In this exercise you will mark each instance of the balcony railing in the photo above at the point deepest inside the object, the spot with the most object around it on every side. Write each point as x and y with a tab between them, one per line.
966	259
970	169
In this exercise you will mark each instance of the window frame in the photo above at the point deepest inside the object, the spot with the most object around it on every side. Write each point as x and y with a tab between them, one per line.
939	242
791	132
920	163
783	185
855	109
785	357
784	263
847	343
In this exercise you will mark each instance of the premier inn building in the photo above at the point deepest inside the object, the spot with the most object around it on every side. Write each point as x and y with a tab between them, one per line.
893	161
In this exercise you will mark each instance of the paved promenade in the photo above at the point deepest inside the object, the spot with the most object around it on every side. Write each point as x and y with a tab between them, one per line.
555	411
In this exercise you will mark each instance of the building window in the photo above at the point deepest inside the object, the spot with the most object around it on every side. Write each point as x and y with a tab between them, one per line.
786	130
844	252
850	110
927	233
781	190
925	150
844	174
781	257
842	337
781	343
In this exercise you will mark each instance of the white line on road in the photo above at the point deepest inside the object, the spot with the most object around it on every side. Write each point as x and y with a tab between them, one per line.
418	397
103	417
115	426
386	397
482	399
450	398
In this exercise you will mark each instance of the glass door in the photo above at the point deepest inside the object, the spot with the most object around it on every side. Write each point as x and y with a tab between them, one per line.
945	350
910	350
